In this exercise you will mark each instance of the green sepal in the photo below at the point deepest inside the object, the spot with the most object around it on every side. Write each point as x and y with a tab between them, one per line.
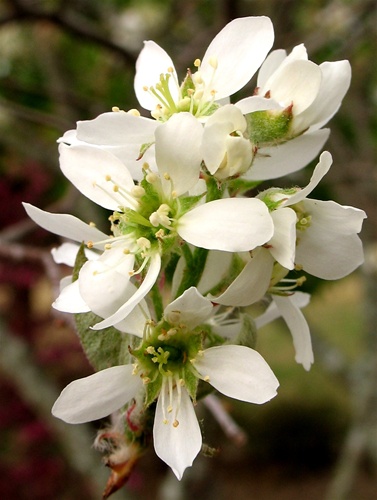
215	190
248	334
187	202
187	85
240	186
191	381
269	127
143	149
150	201
79	262
152	390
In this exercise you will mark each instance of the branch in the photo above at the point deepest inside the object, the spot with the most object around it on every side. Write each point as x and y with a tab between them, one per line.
79	28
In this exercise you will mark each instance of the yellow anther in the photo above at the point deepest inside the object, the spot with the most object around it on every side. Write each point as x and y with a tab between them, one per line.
165	421
170	409
133	112
174	194
146	380
166	176
181	382
108	246
160	233
138	191
175	423
90	244
126	251
115	188
115	109
145	88
151	177
206	378
108	177
197	63
170	69
143	243
92	224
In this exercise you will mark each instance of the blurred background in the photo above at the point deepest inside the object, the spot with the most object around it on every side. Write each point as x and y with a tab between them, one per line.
68	60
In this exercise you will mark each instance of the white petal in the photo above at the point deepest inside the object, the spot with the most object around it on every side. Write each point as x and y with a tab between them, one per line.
283	243
151	63
230	115
67	253
270	65
134	324
70	300
320	171
277	161
128	306
245	40
105	286
65	225
178	151
299	299
336	79
297	83
95	172
214	146
251	284
238	372
299	328
330	248
177	446
231	224
192	308
257	103
215	270
116	129
97	396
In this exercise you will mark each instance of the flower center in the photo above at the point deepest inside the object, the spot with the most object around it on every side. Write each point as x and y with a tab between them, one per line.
194	95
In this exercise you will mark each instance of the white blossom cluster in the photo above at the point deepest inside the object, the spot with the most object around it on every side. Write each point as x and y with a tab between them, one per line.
188	251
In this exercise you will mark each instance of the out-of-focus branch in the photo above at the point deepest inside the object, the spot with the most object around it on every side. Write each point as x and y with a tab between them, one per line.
76	441
68	22
35	116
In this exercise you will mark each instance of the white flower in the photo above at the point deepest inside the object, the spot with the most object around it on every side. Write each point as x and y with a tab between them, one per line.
312	93
148	218
230	61
319	237
170	361
327	244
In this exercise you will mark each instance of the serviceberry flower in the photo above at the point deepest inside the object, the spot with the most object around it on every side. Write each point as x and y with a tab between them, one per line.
246	40
168	365
301	97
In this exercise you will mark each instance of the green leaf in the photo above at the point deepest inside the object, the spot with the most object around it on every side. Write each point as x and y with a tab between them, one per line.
103	348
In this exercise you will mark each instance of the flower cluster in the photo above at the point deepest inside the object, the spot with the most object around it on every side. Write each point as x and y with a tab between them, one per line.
188	250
